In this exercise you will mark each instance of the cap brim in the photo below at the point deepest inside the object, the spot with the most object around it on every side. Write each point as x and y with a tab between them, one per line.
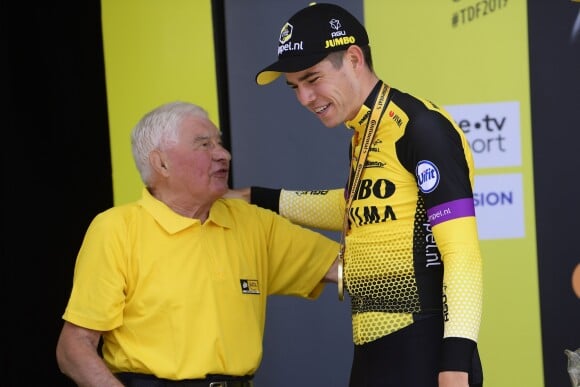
290	64
266	76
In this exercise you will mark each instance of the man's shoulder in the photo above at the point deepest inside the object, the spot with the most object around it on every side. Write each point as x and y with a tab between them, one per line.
237	213
117	213
239	207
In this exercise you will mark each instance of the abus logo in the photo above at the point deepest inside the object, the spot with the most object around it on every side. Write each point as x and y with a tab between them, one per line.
427	176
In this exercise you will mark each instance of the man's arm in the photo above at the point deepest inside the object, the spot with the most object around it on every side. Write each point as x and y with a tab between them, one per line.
322	209
78	358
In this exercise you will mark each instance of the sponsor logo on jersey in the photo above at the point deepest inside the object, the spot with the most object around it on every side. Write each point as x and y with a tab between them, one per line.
374	164
316	192
375	147
445	305
364	118
250	286
427	176
396	119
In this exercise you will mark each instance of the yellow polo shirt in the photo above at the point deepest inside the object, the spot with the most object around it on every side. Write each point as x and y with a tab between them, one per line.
180	299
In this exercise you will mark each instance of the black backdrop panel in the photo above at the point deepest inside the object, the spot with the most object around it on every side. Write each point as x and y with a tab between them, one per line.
56	171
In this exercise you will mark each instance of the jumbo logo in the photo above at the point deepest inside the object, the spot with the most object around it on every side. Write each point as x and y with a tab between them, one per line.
346	40
427	176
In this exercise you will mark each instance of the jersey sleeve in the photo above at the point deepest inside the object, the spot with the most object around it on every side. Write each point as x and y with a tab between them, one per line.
440	148
265	197
322	209
451	212
319	209
462	290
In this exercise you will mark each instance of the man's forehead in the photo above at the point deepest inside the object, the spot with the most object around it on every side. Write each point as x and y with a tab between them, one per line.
318	69
201	126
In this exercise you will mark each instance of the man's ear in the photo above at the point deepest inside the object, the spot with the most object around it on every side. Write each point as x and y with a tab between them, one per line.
355	56
158	162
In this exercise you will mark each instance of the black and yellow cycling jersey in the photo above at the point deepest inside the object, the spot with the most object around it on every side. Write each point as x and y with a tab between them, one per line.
412	246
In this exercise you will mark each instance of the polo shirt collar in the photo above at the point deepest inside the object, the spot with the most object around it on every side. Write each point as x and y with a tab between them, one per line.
173	222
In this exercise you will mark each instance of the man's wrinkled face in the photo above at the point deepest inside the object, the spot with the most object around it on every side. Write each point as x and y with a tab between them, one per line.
199	164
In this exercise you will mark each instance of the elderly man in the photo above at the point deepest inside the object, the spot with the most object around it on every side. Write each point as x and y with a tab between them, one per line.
175	284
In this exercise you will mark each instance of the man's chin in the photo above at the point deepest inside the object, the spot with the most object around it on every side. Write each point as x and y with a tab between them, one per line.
221	191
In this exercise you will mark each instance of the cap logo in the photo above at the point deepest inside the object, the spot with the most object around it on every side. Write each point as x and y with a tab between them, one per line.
339	37
286	33
335	24
285	43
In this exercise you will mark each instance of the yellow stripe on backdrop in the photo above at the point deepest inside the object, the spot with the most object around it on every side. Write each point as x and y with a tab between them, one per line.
156	51
472	55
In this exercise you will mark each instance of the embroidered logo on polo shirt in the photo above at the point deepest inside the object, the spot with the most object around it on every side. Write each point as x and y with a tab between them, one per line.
250	286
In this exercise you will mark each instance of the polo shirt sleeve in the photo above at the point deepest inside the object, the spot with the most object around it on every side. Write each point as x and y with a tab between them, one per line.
97	296
298	258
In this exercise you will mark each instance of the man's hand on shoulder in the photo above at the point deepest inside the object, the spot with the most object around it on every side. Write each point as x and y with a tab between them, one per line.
239	193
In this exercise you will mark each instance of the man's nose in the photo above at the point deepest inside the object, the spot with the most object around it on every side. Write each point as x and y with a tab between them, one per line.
222	153
305	95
